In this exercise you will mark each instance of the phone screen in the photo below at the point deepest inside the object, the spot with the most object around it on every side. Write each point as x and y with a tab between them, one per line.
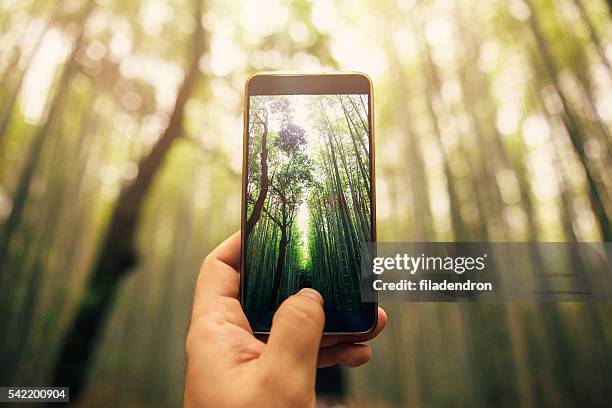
308	198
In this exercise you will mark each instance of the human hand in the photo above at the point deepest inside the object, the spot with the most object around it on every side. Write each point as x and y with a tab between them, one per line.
227	366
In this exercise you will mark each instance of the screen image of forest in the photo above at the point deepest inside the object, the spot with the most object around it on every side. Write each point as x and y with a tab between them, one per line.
308	198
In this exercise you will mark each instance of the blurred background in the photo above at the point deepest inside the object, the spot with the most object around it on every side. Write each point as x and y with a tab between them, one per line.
120	162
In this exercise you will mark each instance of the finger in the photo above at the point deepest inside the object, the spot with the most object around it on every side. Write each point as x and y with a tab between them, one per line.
350	355
296	333
228	251
218	285
219	272
358	338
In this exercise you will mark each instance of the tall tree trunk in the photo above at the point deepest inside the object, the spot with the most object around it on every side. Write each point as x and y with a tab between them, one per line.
9	101
458	227
280	266
25	310
36	147
594	36
492	155
352	188
117	254
364	128
265	183
361	120
364	173
417	176
571	125
341	198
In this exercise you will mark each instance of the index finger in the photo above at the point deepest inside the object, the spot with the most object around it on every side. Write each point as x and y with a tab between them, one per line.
219	273
228	251
218	287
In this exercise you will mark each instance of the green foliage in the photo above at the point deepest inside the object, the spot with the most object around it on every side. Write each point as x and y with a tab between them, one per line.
314	177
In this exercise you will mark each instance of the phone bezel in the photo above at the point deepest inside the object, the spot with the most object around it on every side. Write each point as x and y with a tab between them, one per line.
336	322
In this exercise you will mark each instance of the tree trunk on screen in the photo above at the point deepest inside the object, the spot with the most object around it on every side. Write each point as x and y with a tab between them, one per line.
117	253
265	183
355	135
280	266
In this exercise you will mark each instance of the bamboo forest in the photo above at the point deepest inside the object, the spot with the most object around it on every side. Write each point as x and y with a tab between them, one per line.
121	127
308	196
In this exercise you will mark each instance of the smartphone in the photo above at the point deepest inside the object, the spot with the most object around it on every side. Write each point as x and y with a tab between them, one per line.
308	198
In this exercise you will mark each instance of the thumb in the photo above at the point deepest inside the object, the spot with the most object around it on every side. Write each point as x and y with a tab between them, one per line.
296	333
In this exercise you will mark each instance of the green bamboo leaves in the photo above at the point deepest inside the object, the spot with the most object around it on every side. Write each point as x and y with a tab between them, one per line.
309	198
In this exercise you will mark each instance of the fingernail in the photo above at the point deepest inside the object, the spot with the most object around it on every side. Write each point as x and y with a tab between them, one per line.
311	293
